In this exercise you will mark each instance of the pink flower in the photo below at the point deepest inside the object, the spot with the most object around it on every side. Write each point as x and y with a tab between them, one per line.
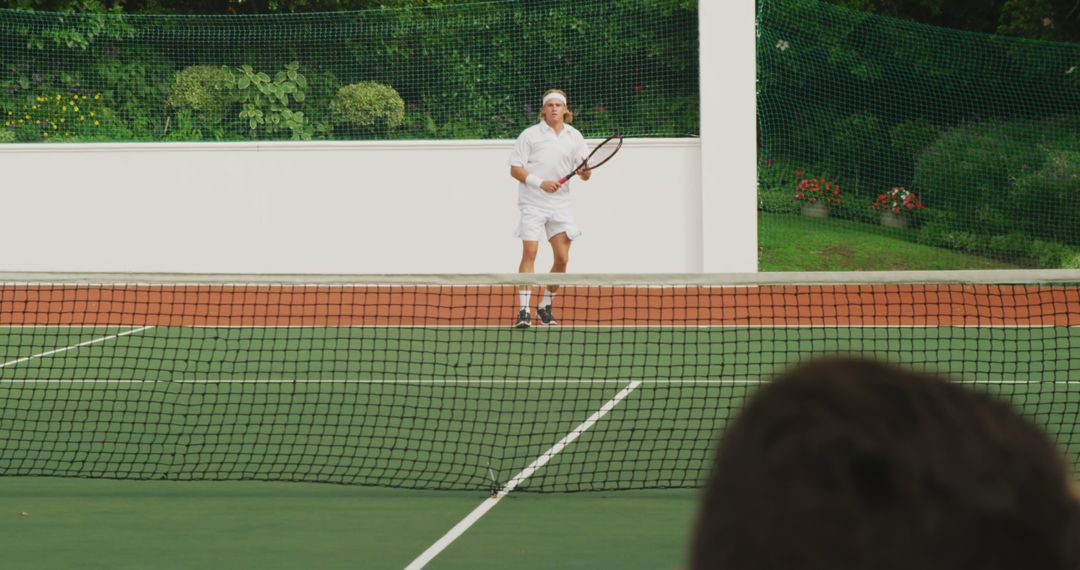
1047	22
599	109
638	88
798	174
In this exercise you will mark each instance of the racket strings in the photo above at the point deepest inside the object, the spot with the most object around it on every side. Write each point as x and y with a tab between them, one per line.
603	152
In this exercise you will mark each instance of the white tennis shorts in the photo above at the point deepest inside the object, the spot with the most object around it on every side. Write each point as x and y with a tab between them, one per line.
554	222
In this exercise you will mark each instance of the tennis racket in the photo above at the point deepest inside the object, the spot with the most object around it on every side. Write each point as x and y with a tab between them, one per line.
601	154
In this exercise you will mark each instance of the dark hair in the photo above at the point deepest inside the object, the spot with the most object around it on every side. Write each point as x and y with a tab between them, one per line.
852	464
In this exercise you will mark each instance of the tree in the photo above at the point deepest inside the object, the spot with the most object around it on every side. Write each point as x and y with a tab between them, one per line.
1033	19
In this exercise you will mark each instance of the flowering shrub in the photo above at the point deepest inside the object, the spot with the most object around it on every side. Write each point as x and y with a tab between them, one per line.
817	190
368	105
898	200
201	88
58	115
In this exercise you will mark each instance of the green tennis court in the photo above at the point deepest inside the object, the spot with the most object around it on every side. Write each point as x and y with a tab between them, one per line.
153	444
451	408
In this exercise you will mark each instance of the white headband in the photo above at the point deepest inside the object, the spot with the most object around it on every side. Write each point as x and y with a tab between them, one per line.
553	95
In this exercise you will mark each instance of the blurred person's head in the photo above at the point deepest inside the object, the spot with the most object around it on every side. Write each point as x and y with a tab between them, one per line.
851	464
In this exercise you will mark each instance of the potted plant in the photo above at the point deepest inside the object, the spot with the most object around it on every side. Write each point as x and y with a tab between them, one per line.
816	194
898	206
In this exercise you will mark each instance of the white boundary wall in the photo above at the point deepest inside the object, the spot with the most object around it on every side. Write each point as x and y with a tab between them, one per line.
662	206
322	207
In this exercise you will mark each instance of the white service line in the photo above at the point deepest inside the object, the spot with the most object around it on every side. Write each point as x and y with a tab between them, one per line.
489	503
74	346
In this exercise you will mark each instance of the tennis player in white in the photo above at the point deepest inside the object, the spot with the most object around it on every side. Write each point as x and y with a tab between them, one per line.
544	153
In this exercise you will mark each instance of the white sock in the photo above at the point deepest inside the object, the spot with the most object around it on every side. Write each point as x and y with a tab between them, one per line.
549	299
524	295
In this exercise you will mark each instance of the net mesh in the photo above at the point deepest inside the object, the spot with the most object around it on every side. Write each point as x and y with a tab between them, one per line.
423	383
451	71
898	130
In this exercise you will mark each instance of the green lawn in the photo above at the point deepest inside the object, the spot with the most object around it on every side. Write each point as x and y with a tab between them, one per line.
796	243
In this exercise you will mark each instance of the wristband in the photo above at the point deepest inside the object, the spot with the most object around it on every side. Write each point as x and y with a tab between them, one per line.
533	181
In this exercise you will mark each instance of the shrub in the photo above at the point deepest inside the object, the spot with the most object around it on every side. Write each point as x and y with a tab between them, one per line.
1050	255
855	146
911	137
967	170
1045	200
132	87
60	115
777	201
202	89
7	135
367	106
266	102
775	174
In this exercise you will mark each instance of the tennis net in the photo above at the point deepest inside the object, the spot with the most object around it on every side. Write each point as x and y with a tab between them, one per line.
421	381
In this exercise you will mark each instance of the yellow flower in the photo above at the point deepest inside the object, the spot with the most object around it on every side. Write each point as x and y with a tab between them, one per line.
54	126
82	118
20	121
44	134
61	119
84	96
57	96
76	109
32	107
93	114
97	96
96	123
26	116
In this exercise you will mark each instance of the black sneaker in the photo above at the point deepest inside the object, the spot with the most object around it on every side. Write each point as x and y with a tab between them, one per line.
524	321
545	315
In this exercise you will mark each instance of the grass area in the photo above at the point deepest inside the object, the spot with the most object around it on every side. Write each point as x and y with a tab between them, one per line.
796	243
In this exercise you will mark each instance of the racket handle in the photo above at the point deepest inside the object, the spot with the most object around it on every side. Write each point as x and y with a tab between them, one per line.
565	178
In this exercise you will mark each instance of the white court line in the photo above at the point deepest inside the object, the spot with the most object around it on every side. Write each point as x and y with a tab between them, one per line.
74	346
489	503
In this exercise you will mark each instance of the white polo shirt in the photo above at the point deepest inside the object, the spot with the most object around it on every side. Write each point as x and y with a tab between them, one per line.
550	157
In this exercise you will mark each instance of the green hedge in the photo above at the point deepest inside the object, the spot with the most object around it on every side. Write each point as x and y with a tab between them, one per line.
998	177
462	71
